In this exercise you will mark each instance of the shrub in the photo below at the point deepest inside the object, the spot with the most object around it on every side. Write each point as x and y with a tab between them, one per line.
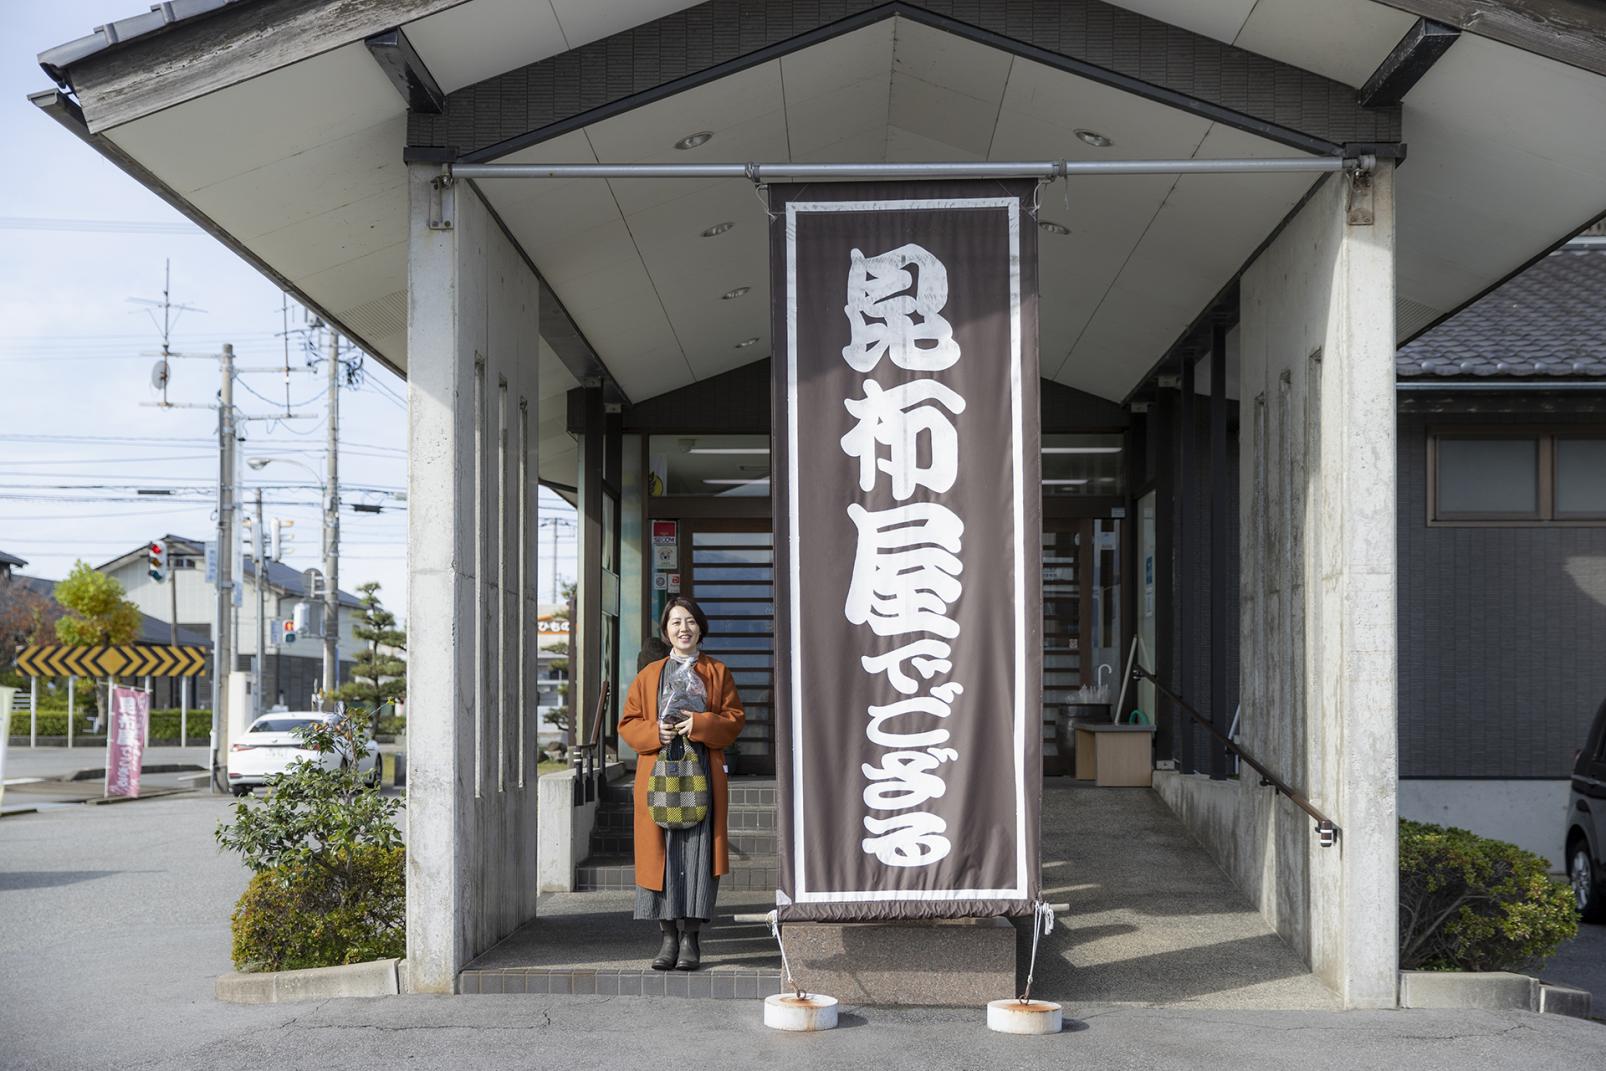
328	860
1468	903
165	724
50	723
317	915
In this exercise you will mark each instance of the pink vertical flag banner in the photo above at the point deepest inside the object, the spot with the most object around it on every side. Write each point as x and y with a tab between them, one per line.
125	740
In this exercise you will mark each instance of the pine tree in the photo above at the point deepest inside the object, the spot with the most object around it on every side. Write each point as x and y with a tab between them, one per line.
379	675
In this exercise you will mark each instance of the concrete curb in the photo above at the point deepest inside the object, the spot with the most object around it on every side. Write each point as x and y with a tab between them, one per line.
376	978
146	794
95	774
1490	991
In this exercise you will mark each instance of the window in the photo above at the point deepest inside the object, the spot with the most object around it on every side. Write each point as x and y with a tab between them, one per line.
1516	476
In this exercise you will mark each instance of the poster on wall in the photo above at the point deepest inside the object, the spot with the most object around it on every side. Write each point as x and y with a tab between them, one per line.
907	512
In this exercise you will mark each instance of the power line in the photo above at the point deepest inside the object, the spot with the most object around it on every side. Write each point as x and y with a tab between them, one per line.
99	226
103	460
106	439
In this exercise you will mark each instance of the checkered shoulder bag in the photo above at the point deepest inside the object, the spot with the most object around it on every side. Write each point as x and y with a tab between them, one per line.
677	794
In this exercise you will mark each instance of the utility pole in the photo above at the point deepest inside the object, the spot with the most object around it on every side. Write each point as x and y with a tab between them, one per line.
223	634
259	537
331	531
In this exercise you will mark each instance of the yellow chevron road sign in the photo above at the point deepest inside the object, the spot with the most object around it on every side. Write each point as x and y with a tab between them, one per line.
125	660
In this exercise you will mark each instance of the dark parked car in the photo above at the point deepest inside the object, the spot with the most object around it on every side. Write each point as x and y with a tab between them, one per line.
1586	824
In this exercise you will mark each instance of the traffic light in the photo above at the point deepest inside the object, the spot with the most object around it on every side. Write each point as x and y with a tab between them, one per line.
282	539
289	636
156	560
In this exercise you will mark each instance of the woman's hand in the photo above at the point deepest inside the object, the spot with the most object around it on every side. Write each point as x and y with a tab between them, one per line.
667	731
684	728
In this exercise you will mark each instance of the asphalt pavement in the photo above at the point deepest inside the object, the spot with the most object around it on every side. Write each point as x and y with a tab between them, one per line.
114	923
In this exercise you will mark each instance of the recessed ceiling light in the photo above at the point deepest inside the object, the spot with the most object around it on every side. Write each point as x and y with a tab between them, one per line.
1094	138
1064	483
1081	449
1048	226
718	228
746	342
737	482
691	141
734	293
729	450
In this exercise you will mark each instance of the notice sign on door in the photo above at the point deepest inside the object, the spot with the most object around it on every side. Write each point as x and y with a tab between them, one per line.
665	559
125	740
665	533
909	600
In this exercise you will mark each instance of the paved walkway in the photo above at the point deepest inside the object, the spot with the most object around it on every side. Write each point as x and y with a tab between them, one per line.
114	923
1153	921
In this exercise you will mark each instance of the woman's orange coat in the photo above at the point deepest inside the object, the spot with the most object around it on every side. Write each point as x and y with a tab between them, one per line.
715	729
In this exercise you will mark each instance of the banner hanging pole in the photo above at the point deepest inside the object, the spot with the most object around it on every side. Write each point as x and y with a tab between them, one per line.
1040	169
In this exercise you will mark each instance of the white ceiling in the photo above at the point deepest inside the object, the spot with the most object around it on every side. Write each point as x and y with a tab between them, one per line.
302	165
475	41
1344	40
1144	255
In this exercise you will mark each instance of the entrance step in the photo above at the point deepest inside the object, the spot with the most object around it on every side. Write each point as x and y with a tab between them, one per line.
750	822
599	873
744	792
588	943
615	820
742	843
719	983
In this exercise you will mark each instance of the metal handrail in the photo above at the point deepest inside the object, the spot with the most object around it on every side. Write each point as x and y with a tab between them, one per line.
586	787
1327	830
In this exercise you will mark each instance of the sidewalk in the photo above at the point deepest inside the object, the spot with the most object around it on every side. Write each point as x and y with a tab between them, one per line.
145	975
58	762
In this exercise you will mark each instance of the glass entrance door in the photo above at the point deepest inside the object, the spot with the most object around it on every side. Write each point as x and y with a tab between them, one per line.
1065	611
1081	628
731	569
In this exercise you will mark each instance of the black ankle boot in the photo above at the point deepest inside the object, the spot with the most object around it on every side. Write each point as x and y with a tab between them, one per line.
665	960
690	955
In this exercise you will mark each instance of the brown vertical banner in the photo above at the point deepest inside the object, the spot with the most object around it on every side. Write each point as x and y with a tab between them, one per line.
908	549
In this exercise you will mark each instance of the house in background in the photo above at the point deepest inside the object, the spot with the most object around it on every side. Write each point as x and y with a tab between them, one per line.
291	671
1502	550
152	630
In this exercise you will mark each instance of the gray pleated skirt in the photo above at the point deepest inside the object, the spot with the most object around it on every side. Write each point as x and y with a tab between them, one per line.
690	886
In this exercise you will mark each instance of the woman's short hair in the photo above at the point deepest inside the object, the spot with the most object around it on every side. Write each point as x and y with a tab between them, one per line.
690	604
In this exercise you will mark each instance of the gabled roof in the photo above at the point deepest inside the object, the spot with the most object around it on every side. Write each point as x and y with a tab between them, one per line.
284	579
11	560
152	630
1549	321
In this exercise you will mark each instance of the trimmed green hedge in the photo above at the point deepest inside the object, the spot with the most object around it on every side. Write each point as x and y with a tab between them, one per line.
164	724
1468	903
50	724
295	917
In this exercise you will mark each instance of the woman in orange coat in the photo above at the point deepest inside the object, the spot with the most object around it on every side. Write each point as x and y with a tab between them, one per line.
690	695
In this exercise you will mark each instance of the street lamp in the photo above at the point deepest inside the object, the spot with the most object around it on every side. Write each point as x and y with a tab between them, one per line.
331	539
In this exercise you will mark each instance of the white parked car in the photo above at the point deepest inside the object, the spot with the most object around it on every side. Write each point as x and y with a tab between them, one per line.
272	743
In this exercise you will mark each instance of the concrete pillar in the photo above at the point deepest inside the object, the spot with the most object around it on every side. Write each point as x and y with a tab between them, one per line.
1317	595
472	349
1318	581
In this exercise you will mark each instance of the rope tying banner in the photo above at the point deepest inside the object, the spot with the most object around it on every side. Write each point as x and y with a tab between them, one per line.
773	920
1042	925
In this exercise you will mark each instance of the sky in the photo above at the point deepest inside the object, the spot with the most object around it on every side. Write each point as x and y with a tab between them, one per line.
83	250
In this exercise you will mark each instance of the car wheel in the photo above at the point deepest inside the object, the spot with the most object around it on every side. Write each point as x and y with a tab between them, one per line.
1586	890
240	790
